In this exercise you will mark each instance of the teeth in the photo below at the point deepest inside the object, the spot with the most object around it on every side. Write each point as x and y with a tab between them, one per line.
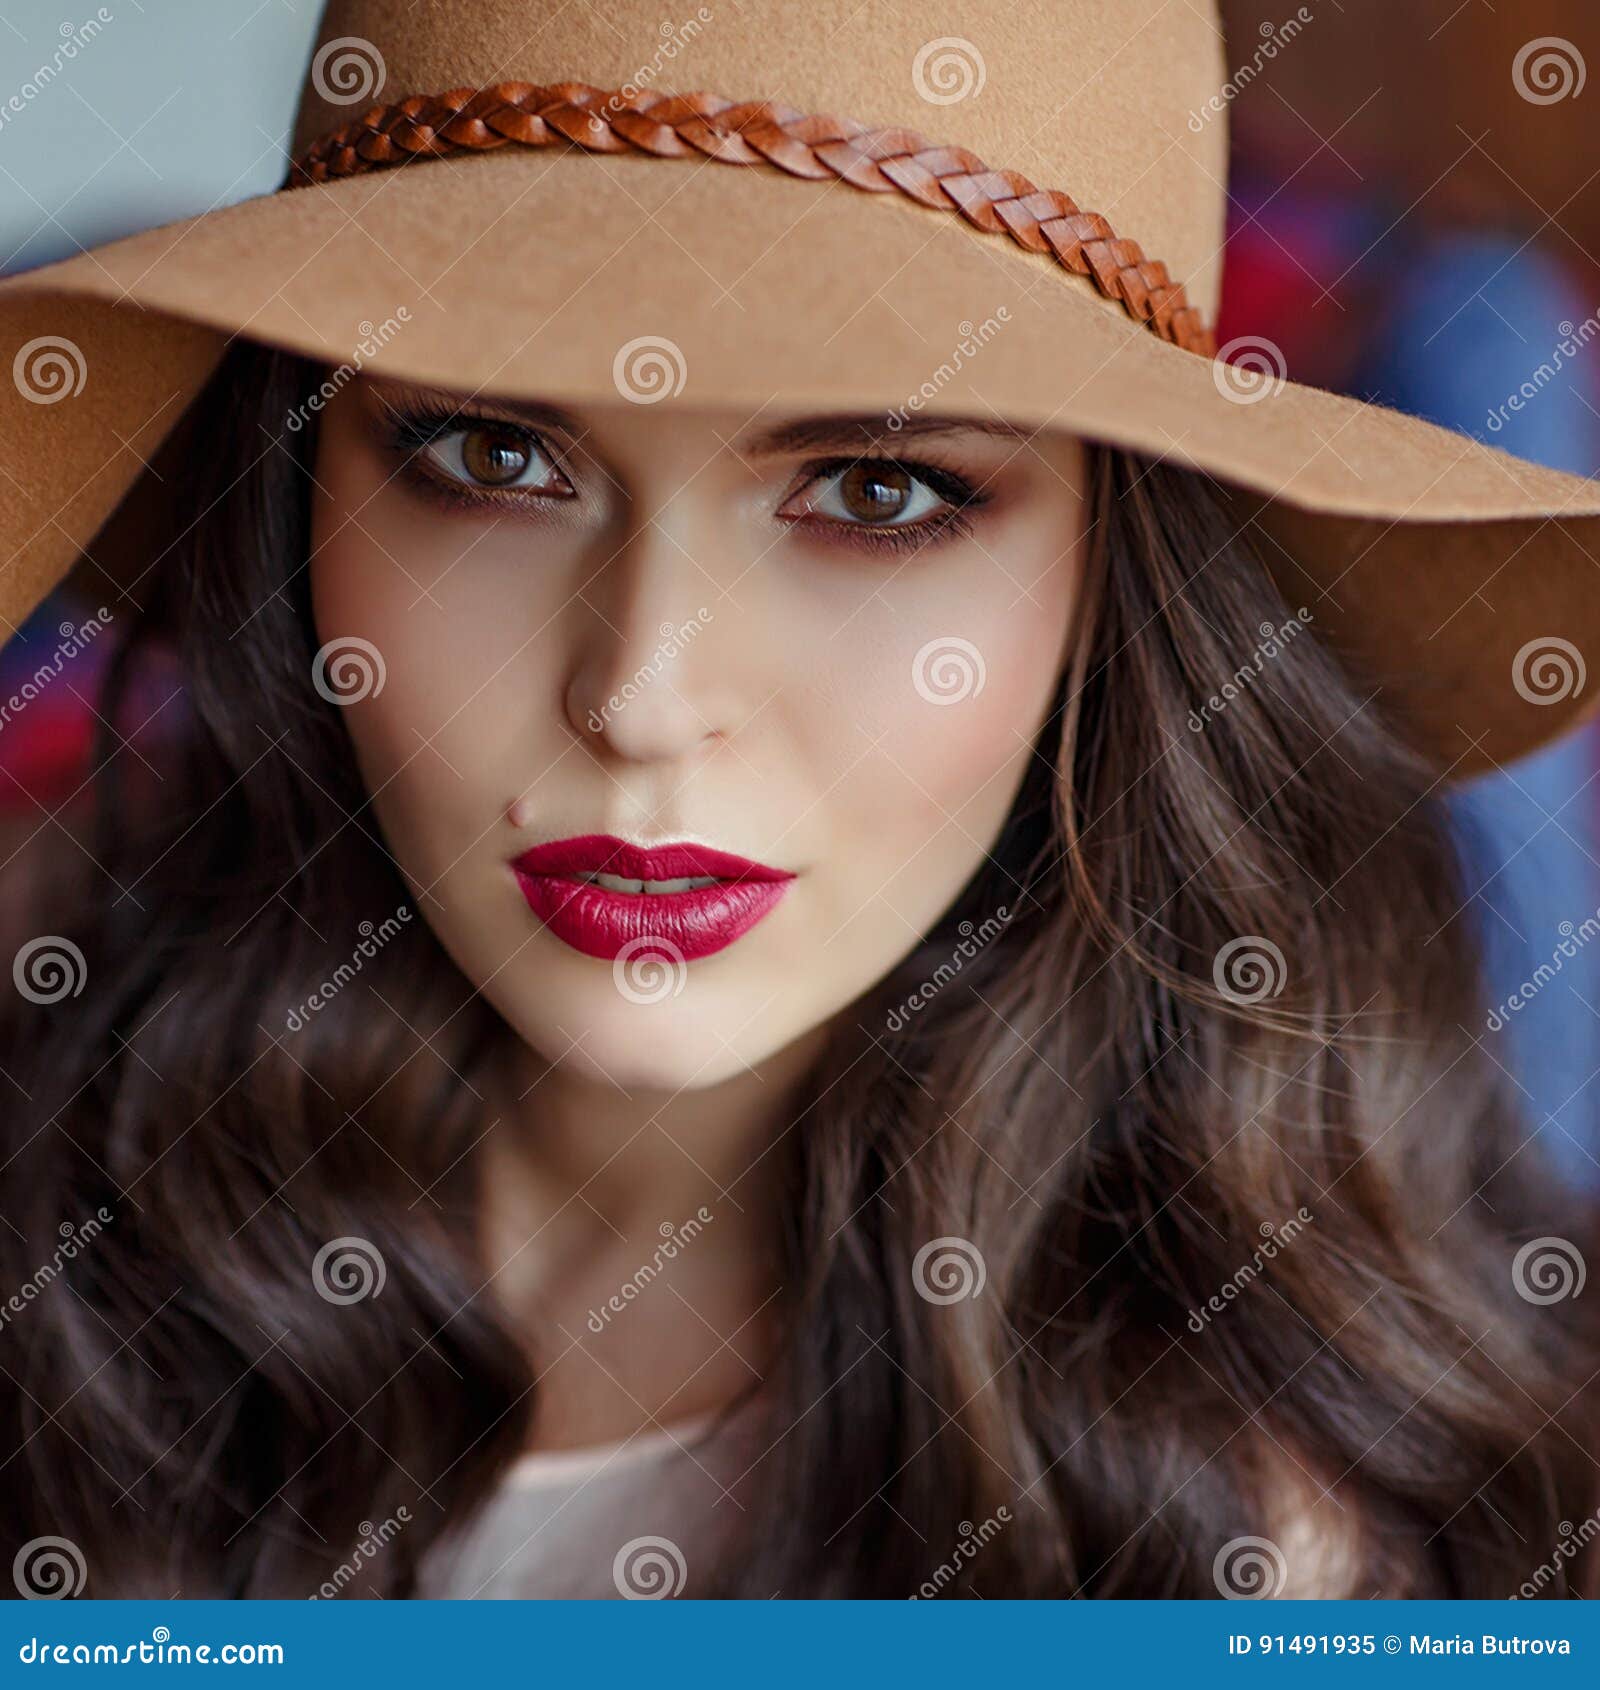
651	888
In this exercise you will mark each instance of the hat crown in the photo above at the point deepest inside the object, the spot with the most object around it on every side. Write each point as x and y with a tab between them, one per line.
1110	101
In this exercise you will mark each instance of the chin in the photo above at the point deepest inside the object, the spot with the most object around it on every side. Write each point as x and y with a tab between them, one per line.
645	1047
670	1072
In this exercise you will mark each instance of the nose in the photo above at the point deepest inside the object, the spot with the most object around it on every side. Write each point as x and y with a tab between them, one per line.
650	678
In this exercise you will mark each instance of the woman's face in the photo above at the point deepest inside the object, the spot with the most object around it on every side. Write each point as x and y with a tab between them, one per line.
818	646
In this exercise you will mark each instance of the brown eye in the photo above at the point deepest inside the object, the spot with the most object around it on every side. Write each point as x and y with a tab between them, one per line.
495	456
875	492
492	455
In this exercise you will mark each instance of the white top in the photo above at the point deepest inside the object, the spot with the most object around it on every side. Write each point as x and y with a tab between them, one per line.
615	1520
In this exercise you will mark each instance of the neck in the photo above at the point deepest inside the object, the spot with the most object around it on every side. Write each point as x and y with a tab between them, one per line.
637	1307
628	1154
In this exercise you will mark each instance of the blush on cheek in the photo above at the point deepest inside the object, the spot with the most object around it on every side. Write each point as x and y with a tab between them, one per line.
434	668
354	616
961	712
963	698
960	763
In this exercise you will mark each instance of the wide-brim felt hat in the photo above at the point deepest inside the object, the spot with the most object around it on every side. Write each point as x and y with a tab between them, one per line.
798	207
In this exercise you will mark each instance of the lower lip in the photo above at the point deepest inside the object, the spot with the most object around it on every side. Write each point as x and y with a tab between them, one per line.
602	923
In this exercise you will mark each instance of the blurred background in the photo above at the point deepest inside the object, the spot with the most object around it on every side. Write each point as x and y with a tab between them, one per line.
1414	217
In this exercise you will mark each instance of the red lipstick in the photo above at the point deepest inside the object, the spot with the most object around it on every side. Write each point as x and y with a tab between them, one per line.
725	895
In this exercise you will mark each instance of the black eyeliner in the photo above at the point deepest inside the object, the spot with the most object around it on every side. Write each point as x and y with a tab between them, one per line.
409	429
949	484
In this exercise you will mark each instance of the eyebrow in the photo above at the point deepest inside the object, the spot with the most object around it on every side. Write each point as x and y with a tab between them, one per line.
825	431
835	429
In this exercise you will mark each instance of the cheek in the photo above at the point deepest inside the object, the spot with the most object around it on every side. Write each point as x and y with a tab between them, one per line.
935	701
949	691
452	621
359	604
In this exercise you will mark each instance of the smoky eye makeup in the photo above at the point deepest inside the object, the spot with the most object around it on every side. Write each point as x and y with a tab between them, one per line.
882	503
459	457
463	458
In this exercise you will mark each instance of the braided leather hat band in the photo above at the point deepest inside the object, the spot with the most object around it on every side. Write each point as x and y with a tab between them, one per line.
764	132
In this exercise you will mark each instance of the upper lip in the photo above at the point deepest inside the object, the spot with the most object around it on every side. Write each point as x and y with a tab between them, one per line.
602	853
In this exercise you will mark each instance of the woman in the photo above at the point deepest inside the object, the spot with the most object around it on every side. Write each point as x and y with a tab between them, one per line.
815	988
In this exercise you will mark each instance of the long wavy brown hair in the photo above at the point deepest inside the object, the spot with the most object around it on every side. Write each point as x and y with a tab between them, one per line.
1249	1240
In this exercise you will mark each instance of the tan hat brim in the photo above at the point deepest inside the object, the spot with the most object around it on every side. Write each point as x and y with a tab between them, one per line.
1430	560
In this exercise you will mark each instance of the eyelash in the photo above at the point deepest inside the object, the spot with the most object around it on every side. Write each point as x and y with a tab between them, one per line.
409	432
